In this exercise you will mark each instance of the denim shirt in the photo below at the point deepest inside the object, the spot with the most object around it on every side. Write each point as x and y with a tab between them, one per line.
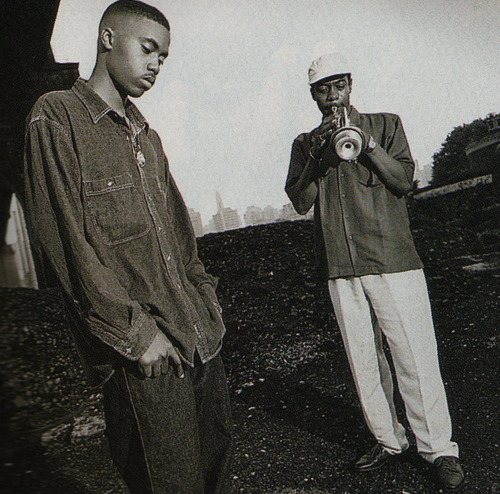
361	227
108	223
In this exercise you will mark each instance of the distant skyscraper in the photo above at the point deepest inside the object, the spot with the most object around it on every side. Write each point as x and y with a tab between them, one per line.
210	228
254	215
218	217
225	218
220	202
288	213
196	222
232	219
218	222
258	216
423	175
270	214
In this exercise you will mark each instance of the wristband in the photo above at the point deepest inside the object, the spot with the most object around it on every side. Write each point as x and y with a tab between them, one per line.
370	145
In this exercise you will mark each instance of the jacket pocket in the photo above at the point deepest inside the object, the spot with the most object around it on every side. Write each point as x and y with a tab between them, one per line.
117	209
368	179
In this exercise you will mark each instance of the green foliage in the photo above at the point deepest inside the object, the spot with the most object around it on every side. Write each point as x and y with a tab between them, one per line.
450	163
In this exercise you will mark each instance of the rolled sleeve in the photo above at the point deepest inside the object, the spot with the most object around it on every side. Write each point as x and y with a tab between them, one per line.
300	179
137	339
398	148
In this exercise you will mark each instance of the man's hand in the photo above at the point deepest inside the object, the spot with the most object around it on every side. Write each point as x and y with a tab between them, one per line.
157	356
369	142
320	136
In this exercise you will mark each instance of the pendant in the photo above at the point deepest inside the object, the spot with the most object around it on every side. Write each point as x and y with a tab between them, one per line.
140	158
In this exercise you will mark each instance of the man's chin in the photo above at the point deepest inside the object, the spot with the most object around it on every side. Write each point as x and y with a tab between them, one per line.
136	92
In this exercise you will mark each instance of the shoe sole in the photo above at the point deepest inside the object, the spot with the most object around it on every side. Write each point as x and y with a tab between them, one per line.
452	490
376	467
388	461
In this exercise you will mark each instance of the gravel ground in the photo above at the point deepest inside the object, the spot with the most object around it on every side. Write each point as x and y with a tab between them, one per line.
297	423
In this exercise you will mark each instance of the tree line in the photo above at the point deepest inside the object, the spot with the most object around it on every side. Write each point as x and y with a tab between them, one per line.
450	164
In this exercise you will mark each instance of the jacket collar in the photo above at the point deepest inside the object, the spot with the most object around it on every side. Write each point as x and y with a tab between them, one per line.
354	117
97	107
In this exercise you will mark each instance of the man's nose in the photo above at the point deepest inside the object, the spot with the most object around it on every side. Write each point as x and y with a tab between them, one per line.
154	66
333	93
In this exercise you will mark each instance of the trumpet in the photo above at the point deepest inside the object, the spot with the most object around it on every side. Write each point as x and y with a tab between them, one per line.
347	140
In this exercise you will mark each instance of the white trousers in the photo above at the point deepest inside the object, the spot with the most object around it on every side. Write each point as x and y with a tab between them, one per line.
396	305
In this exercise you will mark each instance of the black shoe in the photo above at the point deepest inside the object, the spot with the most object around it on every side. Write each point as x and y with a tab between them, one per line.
449	474
376	458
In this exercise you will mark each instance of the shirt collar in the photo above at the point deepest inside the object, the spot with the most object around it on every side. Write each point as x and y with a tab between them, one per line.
135	115
97	107
354	116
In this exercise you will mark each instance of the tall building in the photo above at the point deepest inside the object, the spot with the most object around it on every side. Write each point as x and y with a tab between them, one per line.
225	218
210	228
423	175
232	219
270	214
253	215
218	219
195	217
258	216
288	213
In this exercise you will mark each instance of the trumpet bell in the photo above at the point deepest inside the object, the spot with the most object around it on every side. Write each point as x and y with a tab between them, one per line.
348	143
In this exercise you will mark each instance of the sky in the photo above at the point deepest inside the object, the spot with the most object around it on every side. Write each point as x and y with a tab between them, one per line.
233	93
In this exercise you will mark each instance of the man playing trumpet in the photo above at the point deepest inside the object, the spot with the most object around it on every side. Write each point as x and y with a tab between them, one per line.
357	180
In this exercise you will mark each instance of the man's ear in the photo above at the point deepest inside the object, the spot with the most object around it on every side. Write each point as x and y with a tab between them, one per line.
106	38
313	94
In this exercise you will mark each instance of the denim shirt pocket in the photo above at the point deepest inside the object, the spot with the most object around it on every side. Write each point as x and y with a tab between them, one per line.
117	209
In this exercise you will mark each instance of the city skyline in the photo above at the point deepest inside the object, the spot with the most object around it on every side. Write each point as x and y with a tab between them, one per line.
227	218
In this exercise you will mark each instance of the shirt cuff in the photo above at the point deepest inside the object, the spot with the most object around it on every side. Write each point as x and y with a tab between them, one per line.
207	292
138	339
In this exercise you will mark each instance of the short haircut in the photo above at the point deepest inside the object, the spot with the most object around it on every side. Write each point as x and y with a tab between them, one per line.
138	8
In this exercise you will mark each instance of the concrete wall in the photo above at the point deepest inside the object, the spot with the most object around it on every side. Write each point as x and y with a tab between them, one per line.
447	189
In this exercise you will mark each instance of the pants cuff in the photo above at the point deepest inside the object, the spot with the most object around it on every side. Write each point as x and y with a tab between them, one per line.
431	457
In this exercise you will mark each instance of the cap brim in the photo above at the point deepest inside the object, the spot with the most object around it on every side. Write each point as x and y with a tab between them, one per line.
328	77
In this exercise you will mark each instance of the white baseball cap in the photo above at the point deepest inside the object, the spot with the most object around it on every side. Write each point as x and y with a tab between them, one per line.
328	66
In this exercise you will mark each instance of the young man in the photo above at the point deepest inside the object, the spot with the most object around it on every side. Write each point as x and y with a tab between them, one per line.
374	274
109	225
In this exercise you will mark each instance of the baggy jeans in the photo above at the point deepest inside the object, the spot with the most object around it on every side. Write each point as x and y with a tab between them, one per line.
169	435
396	305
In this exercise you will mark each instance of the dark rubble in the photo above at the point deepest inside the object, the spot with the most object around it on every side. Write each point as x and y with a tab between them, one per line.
297	424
